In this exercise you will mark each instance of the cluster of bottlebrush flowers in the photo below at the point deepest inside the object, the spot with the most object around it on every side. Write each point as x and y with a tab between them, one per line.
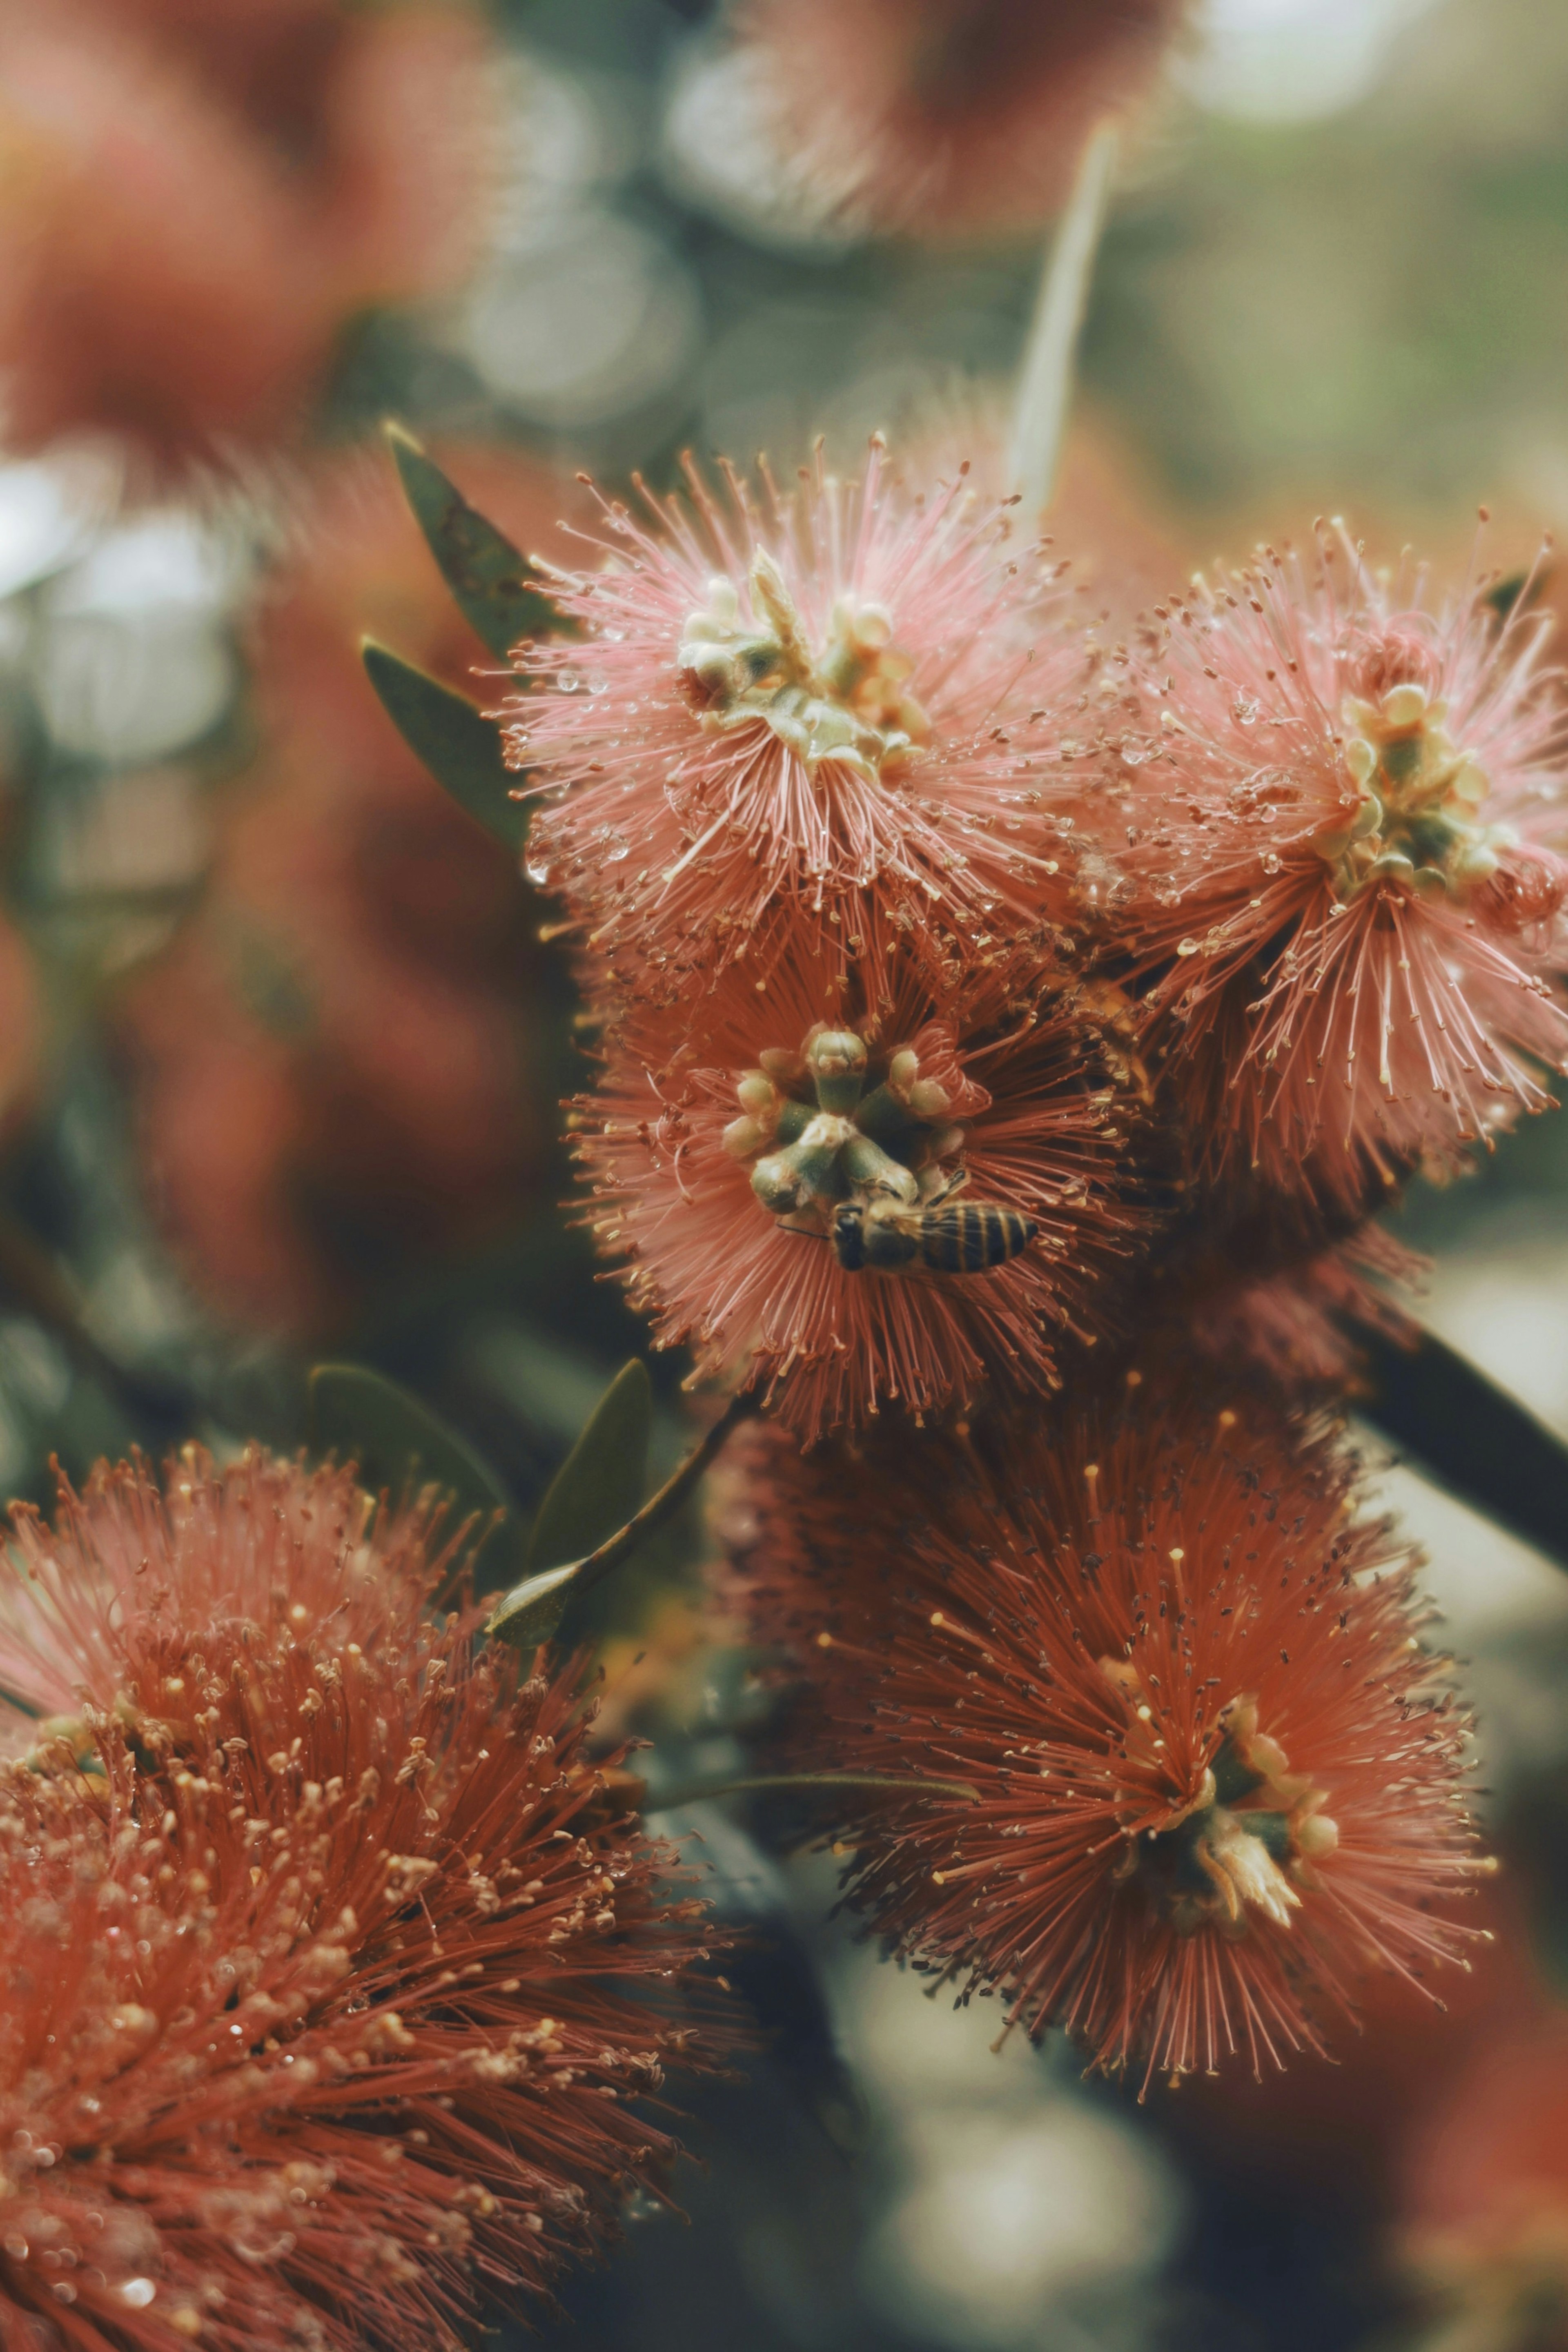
332	1981
984	1008
962	977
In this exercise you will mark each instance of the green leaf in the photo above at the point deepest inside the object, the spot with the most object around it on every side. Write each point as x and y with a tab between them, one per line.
533	1610
596	1491
600	1484
1470	1436
461	747
495	588
398	1441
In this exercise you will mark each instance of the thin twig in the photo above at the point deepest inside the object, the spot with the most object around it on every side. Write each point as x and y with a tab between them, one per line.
663	1505
900	1784
1045	384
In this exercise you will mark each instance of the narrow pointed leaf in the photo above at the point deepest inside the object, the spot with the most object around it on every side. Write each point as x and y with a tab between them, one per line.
497	589
600	1484
1046	378
461	747
1470	1436
533	1610
399	1442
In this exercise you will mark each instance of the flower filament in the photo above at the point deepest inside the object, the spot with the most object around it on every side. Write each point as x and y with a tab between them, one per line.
1247	1841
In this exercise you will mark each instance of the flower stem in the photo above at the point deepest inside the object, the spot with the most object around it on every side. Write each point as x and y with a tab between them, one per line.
670	1497
1045	382
901	1784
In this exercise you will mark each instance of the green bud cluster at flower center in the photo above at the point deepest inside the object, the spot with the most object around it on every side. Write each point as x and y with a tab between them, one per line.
1418	818
819	1134
846	704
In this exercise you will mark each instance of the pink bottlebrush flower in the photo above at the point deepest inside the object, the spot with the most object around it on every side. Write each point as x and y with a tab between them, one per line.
948	118
773	1182
1334	814
820	714
1298	1324
1217	1776
1244	1281
329	1974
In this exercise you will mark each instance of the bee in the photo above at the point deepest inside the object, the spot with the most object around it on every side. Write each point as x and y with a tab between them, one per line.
945	1236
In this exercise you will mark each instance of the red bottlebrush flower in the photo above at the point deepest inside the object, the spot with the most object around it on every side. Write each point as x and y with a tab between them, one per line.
1214	1782
355	1033
193	219
1337	866
129	1570
948	118
786	1184
1298	1325
819	715
325	1986
1252	1282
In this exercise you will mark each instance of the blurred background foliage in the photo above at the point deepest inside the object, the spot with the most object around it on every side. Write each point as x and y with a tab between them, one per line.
280	1047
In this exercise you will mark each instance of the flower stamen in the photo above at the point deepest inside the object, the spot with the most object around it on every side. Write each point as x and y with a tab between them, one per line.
1416	820
847	706
1247	1839
844	1143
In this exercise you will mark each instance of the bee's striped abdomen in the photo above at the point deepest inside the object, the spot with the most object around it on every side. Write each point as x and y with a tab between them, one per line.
967	1237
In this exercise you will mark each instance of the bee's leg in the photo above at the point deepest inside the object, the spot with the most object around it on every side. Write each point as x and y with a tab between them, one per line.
943	1187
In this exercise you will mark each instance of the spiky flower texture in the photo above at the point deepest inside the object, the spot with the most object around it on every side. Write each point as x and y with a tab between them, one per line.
1336	816
325	1986
1217	1776
808	714
850	1199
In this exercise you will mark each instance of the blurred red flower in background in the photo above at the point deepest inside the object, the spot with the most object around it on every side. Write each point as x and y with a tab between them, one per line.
1483	2220
330	1974
21	1026
948	118
197	202
348	1056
